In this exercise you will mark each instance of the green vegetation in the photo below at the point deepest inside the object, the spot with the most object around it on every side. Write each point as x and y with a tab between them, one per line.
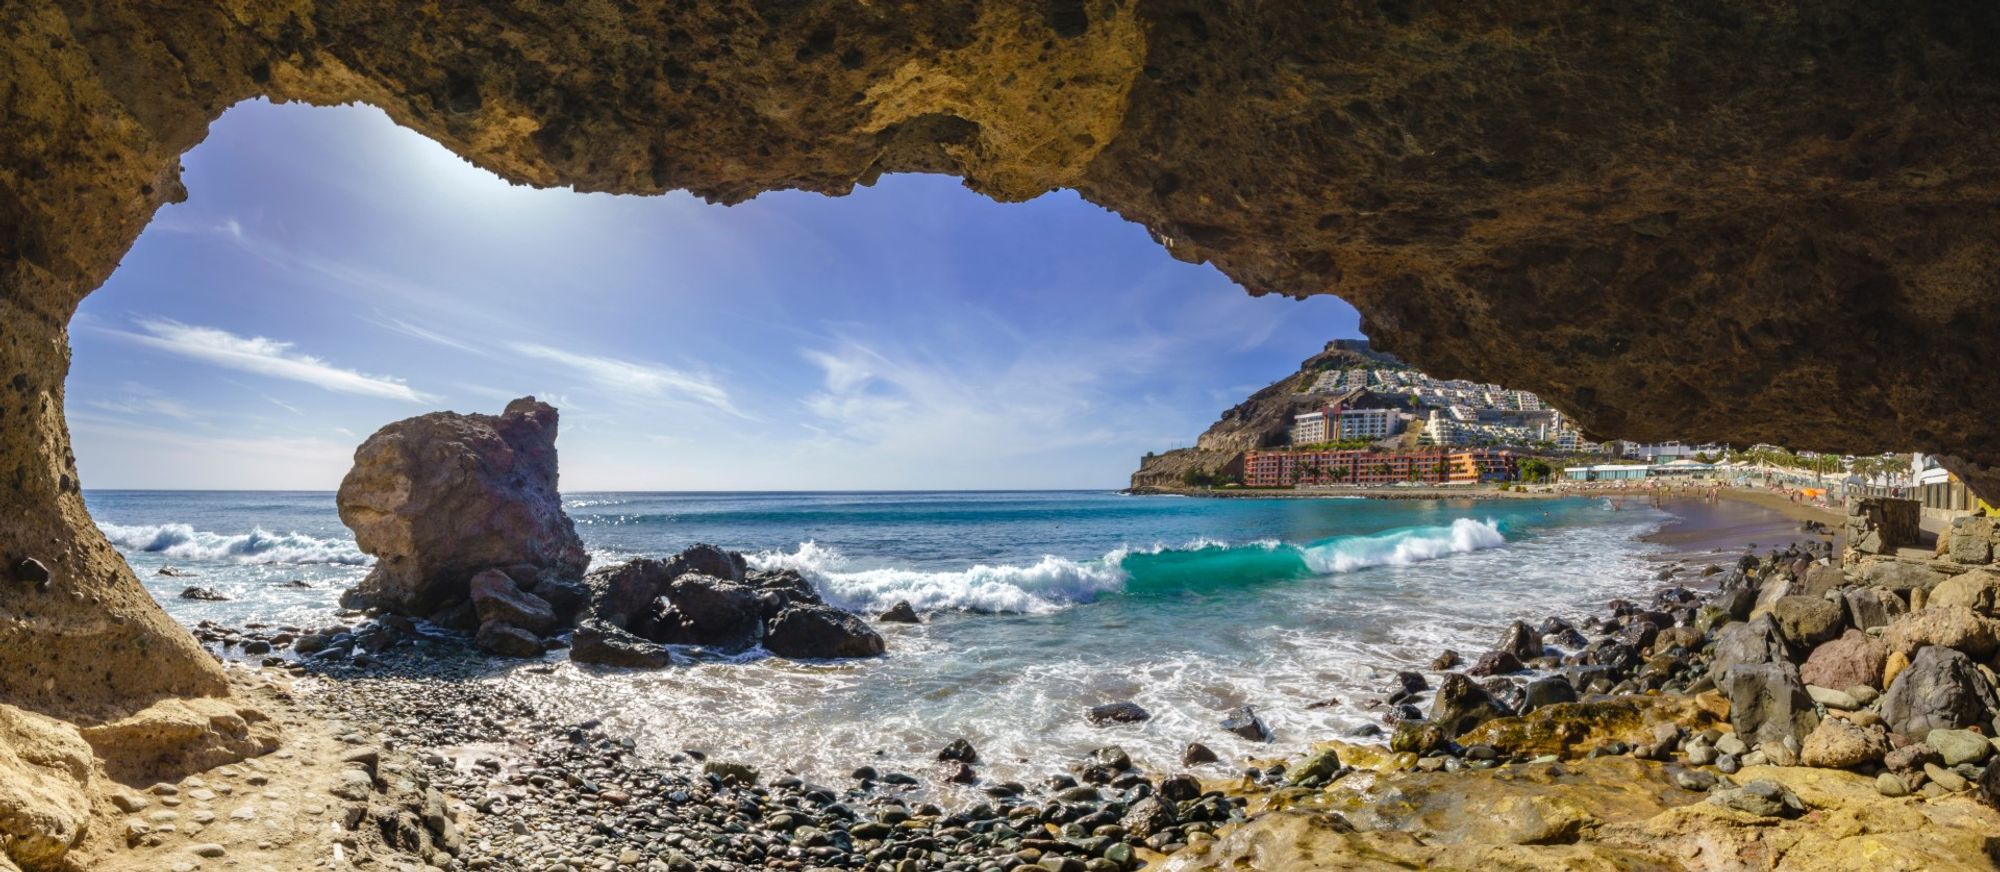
1535	469
1206	478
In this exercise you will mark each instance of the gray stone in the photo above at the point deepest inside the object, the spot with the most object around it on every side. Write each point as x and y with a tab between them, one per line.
506	640
1942	689
1244	722
605	644
1959	746
1807	621
811	631
1869	607
1762	798
1891	784
1833	699
495	597
1462	704
1767	703
1753	641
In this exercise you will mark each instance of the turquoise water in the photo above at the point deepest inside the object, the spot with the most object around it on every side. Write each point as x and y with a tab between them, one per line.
1042	604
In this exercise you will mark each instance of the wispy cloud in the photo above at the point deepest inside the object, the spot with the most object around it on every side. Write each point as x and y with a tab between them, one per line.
628	378
414	331
266	357
143	401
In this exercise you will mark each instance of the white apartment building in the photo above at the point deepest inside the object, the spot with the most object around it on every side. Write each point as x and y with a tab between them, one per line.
1329	425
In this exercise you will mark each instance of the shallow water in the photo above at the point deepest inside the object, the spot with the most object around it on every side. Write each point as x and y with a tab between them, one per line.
1046	604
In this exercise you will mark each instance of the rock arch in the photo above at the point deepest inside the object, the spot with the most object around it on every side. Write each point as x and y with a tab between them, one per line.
1771	222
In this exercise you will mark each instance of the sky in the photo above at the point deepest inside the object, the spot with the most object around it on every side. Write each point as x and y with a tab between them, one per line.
330	273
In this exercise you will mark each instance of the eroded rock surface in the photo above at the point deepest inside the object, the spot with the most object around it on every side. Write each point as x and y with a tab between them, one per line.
440	498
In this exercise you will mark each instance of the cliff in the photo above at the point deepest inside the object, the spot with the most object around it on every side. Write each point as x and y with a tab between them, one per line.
1262	421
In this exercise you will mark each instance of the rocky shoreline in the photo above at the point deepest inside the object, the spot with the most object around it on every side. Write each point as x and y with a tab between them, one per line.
1696	696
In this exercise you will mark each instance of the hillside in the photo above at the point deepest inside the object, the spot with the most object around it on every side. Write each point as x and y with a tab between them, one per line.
1262	421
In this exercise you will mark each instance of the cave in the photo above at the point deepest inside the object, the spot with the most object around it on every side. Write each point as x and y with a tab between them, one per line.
1773	223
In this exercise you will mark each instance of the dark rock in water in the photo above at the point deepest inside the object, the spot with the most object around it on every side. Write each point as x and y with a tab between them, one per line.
298	583
440	497
1112	758
1755	641
1638	634
1521	641
568	597
1412	682
171	572
1364	731
1447	660
1148	816
203	593
730	773
309	643
1568	637
1243	721
604	643
956	772
812	631
497	598
1941	689
706	610
624	594
1118	713
1417	737
900	613
1462	705
1768	703
256	646
1547	691
960	750
506	640
1180	788
784	587
703	559
1496	663
1196	754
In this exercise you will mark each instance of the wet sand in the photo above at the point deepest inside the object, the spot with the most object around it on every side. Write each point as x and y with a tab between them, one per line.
1737	522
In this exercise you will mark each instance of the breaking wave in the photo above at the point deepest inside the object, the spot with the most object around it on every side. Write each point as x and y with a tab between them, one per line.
184	542
1057	582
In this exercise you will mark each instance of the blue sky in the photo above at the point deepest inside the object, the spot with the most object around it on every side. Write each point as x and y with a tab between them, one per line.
331	272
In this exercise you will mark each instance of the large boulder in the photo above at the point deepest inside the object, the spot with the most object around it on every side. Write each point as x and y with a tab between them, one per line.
1806	621
441	497
45	773
1954	627
1462	704
700	609
496	598
1840	744
1978	590
1855	659
1970	540
1942	689
810	631
1821	578
1768	703
1521	641
1753	641
1870	607
605	644
626	593
1899	575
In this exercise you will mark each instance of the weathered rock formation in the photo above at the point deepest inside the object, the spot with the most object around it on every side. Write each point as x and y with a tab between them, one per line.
443	497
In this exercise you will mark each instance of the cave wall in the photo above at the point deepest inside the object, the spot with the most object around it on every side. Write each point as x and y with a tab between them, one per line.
1713	220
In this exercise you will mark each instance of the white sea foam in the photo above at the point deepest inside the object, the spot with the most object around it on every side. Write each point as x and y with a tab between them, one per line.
1405	547
184	542
1049	584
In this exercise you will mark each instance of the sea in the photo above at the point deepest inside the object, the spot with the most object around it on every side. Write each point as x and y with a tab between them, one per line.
1038	605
